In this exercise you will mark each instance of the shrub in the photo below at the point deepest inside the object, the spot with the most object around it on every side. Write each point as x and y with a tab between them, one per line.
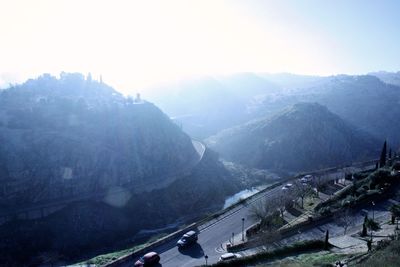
295	248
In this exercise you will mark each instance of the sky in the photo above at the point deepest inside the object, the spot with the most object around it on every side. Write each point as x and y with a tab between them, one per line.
136	44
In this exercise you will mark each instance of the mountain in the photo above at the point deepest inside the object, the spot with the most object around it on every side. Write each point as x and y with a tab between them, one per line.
306	136
364	101
388	77
88	168
206	105
83	133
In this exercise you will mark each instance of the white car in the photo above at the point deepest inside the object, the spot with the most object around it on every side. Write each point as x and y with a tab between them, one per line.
306	179
287	186
229	256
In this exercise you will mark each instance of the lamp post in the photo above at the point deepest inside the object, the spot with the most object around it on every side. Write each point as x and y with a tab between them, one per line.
373	211
242	229
206	258
233	237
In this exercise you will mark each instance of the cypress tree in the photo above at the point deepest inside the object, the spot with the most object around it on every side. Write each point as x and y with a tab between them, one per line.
390	153
326	240
382	160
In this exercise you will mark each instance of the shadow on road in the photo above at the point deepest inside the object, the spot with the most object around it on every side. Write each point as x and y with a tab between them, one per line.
194	251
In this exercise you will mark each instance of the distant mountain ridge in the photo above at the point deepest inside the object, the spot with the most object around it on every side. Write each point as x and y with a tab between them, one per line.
387	77
304	137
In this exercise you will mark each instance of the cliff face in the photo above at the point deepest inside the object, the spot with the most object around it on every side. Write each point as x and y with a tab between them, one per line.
120	164
71	137
306	136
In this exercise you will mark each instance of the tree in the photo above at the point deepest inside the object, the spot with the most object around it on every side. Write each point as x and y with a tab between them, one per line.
326	244
372	226
345	220
395	210
382	160
261	210
302	190
364	230
284	200
319	182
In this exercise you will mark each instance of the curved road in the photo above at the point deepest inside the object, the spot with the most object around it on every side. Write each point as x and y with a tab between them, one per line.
212	239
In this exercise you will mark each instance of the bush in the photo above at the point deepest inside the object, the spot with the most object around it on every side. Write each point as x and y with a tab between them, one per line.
298	247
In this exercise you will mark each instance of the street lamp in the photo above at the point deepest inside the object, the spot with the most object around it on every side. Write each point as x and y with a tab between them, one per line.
242	229
206	258
373	211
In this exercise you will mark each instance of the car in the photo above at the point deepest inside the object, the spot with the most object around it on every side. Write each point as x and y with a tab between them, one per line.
148	259
187	239
306	179
287	186
229	256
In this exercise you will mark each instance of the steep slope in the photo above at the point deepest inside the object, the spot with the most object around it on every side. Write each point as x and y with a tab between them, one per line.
112	165
364	101
68	137
306	136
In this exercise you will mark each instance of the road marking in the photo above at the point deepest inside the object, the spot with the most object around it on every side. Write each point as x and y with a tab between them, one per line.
220	249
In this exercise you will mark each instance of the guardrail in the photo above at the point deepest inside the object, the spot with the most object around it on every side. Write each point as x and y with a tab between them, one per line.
200	225
208	221
148	248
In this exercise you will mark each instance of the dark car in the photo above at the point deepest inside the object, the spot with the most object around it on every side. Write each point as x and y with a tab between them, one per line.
149	259
187	239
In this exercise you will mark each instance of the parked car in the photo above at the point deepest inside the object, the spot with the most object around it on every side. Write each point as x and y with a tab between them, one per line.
187	239
149	259
229	256
287	186
306	179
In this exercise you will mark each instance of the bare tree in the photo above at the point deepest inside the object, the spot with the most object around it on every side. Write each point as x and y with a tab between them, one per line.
319	182
284	200
345	220
261	209
302	190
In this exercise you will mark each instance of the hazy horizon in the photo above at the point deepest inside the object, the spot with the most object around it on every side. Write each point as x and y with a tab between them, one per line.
136	44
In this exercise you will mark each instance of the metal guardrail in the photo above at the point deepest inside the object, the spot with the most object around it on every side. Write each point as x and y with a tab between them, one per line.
212	219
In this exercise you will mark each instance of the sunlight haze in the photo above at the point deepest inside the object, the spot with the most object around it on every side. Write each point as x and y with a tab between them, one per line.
135	44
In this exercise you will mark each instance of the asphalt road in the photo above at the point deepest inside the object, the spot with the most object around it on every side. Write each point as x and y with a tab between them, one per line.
211	240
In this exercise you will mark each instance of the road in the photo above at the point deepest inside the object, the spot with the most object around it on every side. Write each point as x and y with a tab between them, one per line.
211	239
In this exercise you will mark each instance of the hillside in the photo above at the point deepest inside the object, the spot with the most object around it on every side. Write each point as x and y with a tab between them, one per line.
364	101
388	77
117	164
304	137
67	137
206	105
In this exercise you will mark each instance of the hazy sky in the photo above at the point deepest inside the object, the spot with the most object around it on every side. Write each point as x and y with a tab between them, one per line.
137	43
